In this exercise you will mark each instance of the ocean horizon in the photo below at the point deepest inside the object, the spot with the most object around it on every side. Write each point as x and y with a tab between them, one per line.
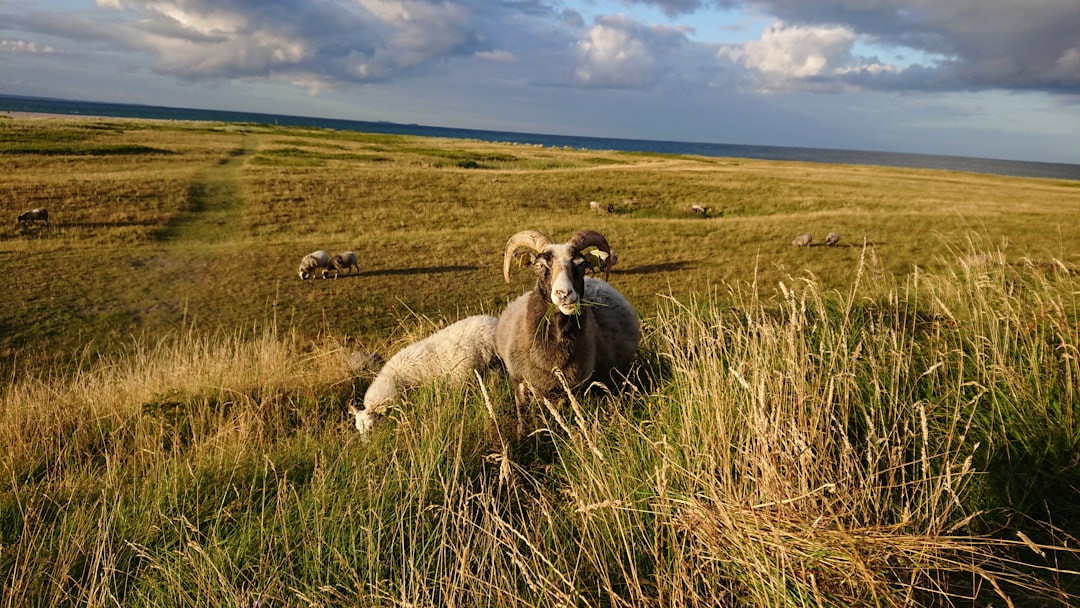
1014	168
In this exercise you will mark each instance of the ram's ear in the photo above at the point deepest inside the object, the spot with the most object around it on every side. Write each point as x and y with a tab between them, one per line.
595	259
524	258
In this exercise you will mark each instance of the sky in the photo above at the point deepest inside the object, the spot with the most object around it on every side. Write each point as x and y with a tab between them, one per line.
982	78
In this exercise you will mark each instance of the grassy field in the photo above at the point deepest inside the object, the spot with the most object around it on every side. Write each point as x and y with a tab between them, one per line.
893	421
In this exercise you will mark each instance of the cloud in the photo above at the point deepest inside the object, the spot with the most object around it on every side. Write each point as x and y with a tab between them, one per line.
795	57
498	56
674	8
973	44
290	40
1024	45
959	45
618	52
810	58
25	47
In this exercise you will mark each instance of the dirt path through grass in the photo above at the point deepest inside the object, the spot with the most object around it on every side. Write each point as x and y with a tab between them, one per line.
215	202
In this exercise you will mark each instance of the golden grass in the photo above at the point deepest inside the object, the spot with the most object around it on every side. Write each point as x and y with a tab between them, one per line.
890	423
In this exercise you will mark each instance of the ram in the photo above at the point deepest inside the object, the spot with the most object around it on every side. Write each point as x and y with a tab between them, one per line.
340	262
312	262
452	354
34	215
569	325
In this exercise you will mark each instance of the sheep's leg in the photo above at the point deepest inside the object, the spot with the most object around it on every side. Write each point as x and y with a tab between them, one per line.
520	397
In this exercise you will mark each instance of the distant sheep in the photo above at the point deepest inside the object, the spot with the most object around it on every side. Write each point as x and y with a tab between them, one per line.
34	215
599	207
451	354
697	209
341	261
316	260
803	240
831	239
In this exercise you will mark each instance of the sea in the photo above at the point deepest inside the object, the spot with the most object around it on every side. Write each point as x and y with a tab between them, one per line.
14	103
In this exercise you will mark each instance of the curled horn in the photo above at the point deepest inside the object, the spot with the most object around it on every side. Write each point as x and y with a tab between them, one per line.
584	239
526	239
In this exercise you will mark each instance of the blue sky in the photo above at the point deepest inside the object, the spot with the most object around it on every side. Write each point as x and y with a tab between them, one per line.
987	78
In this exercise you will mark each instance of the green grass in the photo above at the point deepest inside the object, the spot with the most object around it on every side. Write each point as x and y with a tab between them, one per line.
890	422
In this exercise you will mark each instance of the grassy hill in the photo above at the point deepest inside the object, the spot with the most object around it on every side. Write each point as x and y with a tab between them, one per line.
891	421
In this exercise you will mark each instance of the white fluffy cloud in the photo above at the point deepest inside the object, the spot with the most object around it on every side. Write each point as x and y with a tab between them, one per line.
617	52
788	57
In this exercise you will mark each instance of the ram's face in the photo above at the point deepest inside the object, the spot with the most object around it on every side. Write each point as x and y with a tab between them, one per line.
560	272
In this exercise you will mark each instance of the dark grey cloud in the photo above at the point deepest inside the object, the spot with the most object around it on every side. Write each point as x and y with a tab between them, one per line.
674	8
1012	44
312	43
971	44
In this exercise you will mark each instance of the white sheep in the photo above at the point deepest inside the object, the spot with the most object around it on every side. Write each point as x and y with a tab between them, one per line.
831	239
580	326
313	261
803	240
451	354
341	261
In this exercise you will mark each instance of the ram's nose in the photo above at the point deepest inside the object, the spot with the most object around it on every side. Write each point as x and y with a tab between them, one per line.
561	296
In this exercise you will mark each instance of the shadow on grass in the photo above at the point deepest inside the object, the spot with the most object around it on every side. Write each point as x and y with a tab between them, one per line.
389	272
111	224
846	245
655	268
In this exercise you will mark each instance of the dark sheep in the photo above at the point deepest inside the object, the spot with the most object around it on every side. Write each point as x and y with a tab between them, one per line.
580	326
34	215
341	262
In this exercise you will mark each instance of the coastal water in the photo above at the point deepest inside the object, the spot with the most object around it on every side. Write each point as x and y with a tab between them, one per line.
9	103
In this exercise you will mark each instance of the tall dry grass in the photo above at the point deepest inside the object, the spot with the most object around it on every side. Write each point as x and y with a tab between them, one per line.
903	442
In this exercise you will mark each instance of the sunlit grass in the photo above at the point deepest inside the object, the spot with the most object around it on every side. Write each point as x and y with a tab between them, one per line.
889	422
429	231
898	442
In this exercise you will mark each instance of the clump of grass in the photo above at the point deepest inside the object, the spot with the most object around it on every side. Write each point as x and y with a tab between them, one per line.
80	149
835	449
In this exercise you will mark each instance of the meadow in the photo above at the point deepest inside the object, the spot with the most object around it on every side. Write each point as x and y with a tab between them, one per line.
893	421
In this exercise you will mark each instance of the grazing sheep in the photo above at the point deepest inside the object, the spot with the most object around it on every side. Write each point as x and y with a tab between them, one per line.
313	261
831	239
34	215
601	207
451	354
580	326
341	261
697	209
803	240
